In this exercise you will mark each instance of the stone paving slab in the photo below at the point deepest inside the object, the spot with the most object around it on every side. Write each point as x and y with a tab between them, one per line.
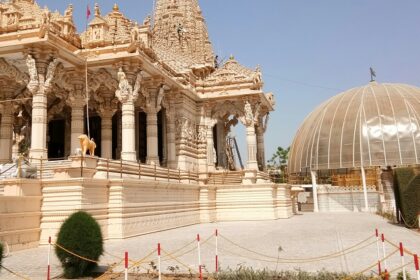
303	236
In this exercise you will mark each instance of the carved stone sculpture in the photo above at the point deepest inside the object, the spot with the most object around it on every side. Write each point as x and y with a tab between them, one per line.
124	91
87	144
33	73
248	115
50	72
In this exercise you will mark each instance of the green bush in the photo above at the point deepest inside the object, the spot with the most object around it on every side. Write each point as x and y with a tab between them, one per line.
407	190
80	234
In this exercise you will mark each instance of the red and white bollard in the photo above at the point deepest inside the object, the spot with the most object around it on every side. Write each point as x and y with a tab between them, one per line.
126	266
159	272
199	256
49	265
402	261
217	253
378	252
384	252
416	265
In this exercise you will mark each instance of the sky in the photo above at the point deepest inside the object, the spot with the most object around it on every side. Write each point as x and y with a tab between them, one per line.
308	50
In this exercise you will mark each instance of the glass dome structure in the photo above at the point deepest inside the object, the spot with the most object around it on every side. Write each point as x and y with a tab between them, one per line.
373	125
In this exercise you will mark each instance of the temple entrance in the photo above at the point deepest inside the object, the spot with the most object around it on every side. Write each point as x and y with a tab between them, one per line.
95	132
56	139
142	137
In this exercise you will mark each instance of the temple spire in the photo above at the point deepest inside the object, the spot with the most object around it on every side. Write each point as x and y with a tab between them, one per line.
179	26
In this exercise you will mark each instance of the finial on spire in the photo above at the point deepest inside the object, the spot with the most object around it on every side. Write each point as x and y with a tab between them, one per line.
231	57
372	75
116	8
97	10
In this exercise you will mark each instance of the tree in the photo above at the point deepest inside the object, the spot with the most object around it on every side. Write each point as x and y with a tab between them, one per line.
279	161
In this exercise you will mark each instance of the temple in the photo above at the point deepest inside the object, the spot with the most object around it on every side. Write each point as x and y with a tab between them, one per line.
159	107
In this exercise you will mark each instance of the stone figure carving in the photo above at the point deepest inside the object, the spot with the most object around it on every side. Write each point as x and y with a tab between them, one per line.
135	33
202	134
97	34
87	144
124	88
33	73
137	84
46	17
51	71
271	99
11	19
161	95
147	20
69	11
257	76
248	115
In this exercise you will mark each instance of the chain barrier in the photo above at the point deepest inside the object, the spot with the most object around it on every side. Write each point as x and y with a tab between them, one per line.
74	254
416	222
15	273
312	259
371	266
178	261
398	247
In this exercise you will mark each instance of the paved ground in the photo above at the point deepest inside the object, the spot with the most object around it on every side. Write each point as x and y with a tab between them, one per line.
303	236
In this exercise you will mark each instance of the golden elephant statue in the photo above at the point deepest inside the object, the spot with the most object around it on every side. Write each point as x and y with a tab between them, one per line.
87	144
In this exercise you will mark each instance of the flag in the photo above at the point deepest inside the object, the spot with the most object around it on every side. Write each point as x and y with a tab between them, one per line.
88	12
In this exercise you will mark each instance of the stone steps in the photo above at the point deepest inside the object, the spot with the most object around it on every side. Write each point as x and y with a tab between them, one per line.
49	167
9	169
226	178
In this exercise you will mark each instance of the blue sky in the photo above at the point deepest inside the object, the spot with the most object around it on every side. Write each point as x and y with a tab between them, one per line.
308	50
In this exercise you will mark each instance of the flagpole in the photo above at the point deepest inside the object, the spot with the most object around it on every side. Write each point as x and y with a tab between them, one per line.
86	74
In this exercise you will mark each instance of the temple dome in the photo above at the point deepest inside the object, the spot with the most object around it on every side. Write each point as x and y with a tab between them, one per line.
373	125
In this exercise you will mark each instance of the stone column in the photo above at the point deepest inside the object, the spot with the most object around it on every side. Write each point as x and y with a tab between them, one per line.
152	138
170	114
39	126
77	124
314	191
128	151
106	133
127	96
251	141
260	147
41	73
210	147
6	133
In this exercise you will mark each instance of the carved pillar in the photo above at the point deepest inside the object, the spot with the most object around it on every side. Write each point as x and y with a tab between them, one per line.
41	72
127	96
248	119
128	151
164	140
170	114
106	133
6	133
260	148
211	152
251	141
152	138
77	123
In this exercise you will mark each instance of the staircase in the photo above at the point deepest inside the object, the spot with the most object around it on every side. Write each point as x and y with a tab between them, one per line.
48	167
225	178
7	170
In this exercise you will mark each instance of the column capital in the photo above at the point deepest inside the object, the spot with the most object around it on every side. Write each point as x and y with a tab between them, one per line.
126	92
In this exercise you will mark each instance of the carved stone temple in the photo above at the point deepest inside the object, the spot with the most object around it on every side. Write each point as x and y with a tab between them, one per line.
159	107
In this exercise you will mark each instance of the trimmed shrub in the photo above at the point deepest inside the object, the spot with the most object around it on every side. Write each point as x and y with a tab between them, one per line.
82	235
407	190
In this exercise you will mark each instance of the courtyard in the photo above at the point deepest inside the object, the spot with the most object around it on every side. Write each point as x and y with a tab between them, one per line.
303	236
